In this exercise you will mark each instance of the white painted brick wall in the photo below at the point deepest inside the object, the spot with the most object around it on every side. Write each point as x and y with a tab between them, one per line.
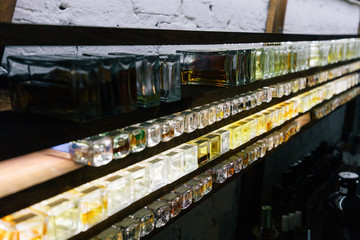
321	17
305	16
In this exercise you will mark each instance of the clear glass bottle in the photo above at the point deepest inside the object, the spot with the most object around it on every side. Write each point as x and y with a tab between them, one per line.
190	154
203	150
206	181
92	203
117	190
224	140
146	219
175	160
197	188
190	120
186	195
24	224
167	128
161	212
170	79
129	229
62	217
138	138
139	181
153	132
158	171
93	151
174	201
214	145
120	143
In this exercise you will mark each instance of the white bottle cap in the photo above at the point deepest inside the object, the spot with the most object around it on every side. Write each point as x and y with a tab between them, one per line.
285	223
298	219
291	221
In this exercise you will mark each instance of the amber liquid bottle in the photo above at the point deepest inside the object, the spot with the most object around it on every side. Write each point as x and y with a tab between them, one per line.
265	231
342	219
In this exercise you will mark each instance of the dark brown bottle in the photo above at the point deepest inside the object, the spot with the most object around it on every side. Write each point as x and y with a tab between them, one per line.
343	210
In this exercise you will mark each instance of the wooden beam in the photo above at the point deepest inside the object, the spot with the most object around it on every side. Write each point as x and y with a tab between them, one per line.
7	8
276	16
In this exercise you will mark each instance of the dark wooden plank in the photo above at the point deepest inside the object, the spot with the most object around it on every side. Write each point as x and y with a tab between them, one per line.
13	34
19	129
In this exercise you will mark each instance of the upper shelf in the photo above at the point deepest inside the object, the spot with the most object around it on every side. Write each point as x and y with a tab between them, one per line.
13	34
20	129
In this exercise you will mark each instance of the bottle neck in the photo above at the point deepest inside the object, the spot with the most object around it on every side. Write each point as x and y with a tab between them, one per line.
348	190
266	217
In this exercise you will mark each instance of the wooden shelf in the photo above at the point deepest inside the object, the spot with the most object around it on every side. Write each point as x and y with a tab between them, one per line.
24	133
13	34
50	173
305	122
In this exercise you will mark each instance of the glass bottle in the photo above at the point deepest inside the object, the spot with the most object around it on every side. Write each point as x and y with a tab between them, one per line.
343	210
265	230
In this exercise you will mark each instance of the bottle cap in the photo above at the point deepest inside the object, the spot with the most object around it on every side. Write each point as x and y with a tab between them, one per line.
285	223
291	221
298	219
348	182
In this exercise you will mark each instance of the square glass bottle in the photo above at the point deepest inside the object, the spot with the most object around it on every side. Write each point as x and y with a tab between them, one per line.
161	212
93	151
216	68
253	121
167	128
153	132
197	188
63	218
174	201
268	94
170	79
117	190
186	195
212	113
203	150
207	182
245	130
241	103
24	224
92	204
147	79
227	107
214	145
261	123
138	138
146	219
190	155
219	173
235	135
202	115
175	160
235	106
237	163
129	229
230	164
244	157
179	123
224	140
120	143
139	181
190	120
158	171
